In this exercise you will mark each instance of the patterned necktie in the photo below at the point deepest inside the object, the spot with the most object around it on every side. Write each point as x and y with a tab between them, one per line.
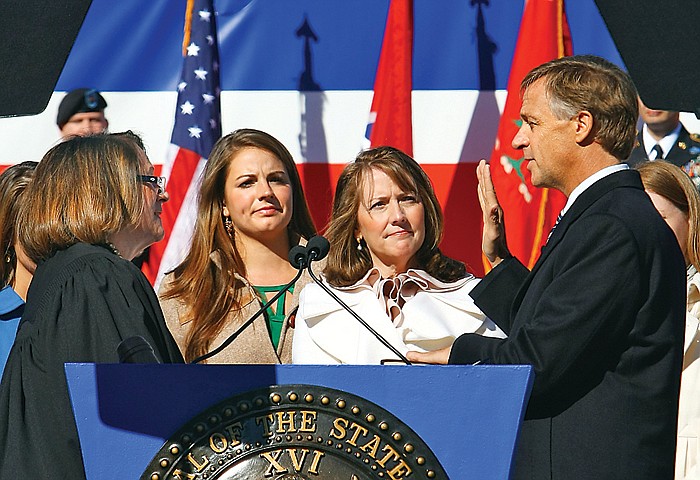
555	226
659	152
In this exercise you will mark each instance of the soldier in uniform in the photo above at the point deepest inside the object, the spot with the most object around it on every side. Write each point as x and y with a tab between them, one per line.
663	137
82	112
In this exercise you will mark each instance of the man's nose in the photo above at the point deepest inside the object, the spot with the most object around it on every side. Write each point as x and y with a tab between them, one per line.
520	140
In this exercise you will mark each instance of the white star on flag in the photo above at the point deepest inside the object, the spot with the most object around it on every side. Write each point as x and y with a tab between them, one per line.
192	50
201	74
195	132
197	127
187	108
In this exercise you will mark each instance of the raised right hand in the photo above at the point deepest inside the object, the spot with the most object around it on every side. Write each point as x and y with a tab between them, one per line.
493	241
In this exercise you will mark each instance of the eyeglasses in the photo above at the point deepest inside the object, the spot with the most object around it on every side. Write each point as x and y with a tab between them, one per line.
156	182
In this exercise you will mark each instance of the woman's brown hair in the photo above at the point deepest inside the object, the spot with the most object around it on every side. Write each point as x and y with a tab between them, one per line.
13	184
346	264
85	189
674	185
198	277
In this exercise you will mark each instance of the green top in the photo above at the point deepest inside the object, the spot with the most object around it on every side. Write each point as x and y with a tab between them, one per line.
275	317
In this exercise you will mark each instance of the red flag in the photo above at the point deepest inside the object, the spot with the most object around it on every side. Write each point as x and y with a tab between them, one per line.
197	127
530	212
390	114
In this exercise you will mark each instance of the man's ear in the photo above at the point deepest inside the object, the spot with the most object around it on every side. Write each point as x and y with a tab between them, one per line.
584	126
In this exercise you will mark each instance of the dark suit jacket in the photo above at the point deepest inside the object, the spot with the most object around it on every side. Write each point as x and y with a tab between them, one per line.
685	150
601	319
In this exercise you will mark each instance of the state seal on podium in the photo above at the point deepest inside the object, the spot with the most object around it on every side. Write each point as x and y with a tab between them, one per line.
294	432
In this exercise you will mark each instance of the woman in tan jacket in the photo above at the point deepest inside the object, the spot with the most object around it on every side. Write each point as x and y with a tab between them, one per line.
251	211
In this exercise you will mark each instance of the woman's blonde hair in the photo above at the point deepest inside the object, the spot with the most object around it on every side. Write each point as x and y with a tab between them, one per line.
85	189
674	185
346	264
198	277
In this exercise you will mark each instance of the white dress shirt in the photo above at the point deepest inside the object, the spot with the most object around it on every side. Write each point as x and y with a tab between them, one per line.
665	143
586	184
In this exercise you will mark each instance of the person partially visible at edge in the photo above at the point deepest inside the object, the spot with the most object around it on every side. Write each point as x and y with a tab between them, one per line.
16	269
82	112
675	197
251	211
664	137
93	205
384	262
601	315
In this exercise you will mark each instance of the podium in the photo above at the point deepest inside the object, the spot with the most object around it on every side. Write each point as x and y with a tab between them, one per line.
456	422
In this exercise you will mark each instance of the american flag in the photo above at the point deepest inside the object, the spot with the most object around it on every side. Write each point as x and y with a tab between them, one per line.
197	128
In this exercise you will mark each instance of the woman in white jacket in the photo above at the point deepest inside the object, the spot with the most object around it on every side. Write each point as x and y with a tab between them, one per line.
675	197
384	262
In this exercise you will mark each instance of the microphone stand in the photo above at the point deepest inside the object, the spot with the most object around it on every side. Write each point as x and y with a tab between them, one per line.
300	258
355	315
267	304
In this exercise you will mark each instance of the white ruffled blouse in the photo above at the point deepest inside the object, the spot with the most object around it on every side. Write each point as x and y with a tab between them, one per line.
413	311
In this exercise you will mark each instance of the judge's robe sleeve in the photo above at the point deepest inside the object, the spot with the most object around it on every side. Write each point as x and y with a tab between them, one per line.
80	314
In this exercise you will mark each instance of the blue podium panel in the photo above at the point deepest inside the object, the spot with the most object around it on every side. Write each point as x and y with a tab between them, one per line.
469	416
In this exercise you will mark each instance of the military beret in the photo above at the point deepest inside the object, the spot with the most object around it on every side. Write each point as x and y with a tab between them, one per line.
78	101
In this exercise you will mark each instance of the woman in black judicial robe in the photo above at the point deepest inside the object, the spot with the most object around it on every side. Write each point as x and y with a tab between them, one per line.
93	206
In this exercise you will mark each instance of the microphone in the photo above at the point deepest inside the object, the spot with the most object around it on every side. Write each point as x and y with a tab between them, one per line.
318	248
136	350
299	258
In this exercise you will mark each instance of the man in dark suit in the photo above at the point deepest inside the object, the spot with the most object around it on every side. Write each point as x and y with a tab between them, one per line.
663	137
601	315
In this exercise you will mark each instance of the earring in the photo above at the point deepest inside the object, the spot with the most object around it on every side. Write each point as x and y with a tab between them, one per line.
9	253
359	244
228	225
